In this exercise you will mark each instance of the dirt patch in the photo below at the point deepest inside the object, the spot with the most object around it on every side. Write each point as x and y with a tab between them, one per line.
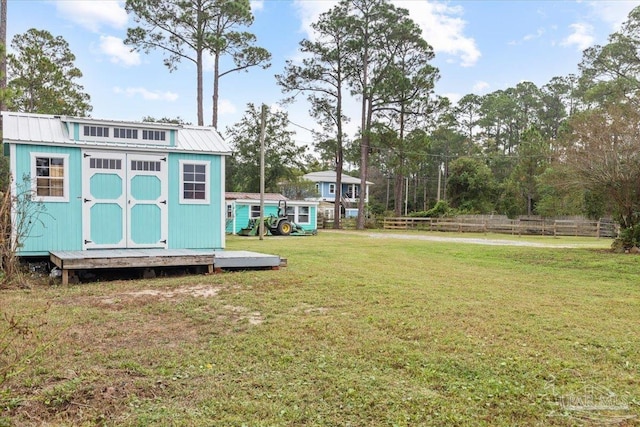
310	309
242	313
104	400
202	291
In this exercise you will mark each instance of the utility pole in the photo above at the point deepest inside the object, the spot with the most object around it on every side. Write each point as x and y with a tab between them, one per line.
263	116
439	175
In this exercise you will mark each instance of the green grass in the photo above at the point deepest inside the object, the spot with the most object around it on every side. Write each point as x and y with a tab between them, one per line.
354	331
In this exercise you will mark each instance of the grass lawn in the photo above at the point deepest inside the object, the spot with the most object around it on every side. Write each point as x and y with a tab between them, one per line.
356	330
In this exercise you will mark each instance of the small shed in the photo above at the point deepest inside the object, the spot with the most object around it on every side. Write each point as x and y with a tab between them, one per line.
241	207
108	184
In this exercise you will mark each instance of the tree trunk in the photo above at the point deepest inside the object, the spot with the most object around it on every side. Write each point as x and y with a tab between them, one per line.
199	89
386	206
216	88
398	186
364	160
337	210
424	195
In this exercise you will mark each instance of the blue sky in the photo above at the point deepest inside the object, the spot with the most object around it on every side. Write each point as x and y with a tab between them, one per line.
480	46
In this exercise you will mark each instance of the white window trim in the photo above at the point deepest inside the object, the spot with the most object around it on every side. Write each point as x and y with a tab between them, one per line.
207	183
65	182
332	189
251	209
296	214
88	137
308	215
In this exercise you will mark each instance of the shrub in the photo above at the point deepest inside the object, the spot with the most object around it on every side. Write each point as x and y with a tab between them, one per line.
441	209
628	238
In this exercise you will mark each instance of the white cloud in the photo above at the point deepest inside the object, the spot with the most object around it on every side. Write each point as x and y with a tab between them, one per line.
539	33
146	94
480	87
256	5
441	25
443	29
581	36
118	52
453	97
309	11
93	14
276	108
226	107
208	61
613	12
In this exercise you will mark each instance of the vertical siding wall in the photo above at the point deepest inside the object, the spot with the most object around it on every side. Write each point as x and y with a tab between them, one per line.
313	212
243	211
59	227
324	191
196	226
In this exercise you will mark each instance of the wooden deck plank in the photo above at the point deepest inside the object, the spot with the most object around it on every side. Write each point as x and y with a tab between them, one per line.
215	260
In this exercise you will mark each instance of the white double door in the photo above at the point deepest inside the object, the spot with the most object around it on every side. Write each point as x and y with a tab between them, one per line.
124	200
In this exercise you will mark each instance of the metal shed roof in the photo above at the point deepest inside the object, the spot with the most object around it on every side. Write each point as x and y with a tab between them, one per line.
22	127
230	195
29	128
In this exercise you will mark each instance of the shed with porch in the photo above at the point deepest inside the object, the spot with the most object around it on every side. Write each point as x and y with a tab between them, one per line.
108	184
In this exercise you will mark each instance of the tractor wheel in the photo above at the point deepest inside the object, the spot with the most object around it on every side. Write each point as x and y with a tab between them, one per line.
284	228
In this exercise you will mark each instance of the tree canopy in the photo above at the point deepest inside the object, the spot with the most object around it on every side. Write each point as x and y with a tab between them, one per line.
282	156
188	30
42	76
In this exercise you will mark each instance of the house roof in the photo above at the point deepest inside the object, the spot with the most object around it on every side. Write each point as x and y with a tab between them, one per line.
29	128
330	176
230	195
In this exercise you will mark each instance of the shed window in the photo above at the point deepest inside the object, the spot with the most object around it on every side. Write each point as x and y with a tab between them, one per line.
291	213
96	131
303	215
125	133
255	211
194	182
50	177
145	165
154	135
298	214
97	163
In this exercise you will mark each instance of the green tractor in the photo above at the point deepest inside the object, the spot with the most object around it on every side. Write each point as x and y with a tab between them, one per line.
279	225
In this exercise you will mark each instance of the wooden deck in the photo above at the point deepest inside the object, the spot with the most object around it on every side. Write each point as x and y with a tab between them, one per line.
69	261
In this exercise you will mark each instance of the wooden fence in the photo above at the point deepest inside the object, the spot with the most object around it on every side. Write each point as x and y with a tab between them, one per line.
520	226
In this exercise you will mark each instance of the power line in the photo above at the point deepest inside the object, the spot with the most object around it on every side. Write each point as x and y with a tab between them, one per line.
300	126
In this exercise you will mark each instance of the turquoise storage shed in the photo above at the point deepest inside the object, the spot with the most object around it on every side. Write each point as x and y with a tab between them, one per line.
243	207
108	184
